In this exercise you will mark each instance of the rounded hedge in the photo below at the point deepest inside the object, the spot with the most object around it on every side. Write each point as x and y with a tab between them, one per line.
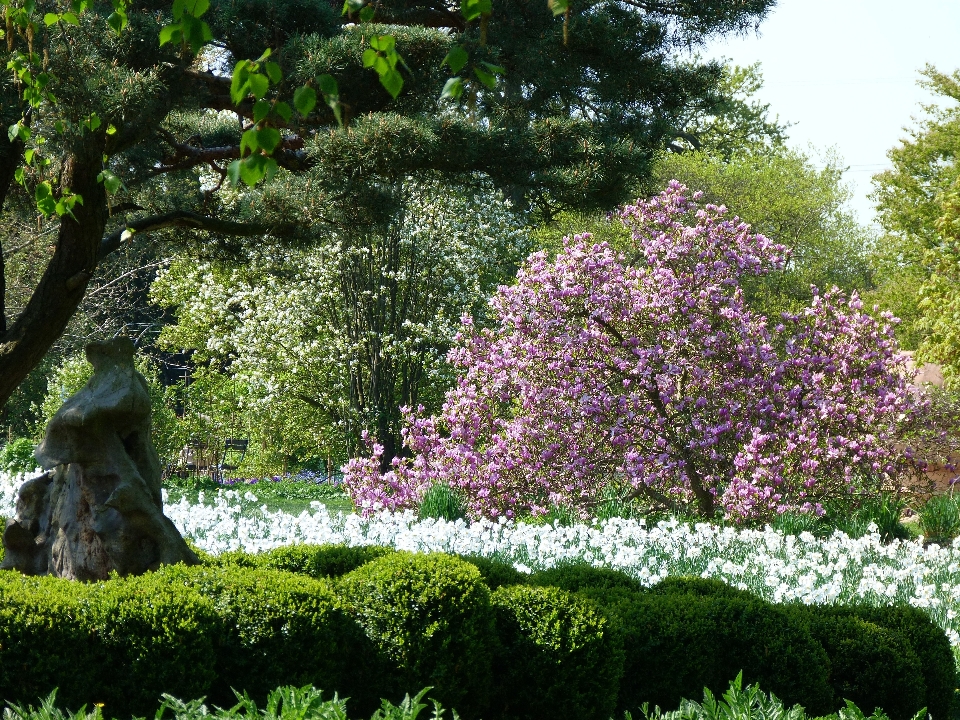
278	629
870	665
120	643
927	640
574	577
323	561
559	655
495	573
430	618
699	587
676	644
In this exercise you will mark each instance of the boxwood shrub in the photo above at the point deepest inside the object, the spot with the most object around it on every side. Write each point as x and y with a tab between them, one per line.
279	628
574	577
495	573
870	665
429	616
323	561
675	644
559	657
928	642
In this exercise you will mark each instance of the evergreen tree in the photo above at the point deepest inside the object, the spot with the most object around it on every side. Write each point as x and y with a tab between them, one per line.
113	135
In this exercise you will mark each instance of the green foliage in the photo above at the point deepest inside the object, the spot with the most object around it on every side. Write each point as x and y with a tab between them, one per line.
729	632
17	456
323	561
495	573
559	656
736	702
926	640
783	196
120	643
277	627
576	576
699	587
940	518
443	503
430	617
870	665
913	257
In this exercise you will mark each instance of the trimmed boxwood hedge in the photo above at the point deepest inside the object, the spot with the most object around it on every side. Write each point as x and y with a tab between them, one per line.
278	628
429	616
559	656
575	641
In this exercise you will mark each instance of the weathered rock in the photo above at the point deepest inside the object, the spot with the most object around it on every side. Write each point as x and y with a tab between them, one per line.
97	508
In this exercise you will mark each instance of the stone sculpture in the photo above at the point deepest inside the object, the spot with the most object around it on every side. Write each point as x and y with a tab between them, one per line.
97	508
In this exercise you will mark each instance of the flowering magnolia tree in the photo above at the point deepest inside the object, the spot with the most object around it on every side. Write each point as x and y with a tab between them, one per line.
648	376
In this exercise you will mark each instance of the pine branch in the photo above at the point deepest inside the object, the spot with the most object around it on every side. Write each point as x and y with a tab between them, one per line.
183	219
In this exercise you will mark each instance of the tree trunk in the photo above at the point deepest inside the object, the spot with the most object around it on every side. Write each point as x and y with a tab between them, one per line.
97	509
65	279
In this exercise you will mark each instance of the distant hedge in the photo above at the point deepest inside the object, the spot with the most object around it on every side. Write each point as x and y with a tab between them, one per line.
368	623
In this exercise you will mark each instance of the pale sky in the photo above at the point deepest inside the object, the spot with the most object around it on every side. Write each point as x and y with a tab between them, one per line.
845	71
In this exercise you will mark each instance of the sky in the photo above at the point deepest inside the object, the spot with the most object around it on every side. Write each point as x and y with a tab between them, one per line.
844	73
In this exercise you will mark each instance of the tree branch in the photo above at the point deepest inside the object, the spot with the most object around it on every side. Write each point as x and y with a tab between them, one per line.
183	219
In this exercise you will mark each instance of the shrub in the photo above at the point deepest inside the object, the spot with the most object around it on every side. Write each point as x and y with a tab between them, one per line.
45	640
927	641
155	637
430	616
574	577
677	643
559	657
495	573
323	561
121	643
699	587
278	628
870	665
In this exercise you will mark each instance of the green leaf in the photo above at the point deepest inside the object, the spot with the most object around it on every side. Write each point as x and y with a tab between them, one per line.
559	7
369	57
248	141
452	89
18	175
252	170
170	33
28	155
392	81
233	172
473	9
197	7
305	98
486	78
43	195
270	169
69	19
328	85
110	181
51	19
266	53
283	110
111	129
495	69
352	6
178	7
13	132
258	85
117	20
274	72
456	59
367	13
383	43
268	138
261	109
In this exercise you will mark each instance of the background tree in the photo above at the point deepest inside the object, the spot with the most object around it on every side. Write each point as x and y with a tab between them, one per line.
910	202
123	137
336	339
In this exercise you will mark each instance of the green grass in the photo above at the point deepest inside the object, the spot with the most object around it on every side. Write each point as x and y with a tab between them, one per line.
290	496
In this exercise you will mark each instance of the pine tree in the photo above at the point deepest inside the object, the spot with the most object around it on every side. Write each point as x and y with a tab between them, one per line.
114	136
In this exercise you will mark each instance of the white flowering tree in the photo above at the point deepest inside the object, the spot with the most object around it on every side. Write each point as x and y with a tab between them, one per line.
331	341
